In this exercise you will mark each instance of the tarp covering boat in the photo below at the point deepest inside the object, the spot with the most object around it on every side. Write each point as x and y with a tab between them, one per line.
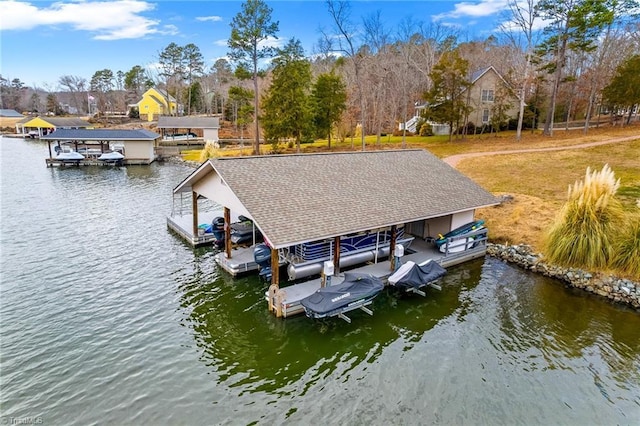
69	156
111	156
354	292
412	275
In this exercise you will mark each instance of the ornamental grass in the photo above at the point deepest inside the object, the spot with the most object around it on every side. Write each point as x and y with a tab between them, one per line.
211	150
627	249
585	232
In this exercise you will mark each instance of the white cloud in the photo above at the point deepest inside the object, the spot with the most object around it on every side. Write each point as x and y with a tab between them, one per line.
169	29
108	20
209	18
271	42
475	9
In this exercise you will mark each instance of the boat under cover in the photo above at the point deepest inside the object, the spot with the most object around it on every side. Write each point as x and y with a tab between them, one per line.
69	156
355	292
411	276
111	156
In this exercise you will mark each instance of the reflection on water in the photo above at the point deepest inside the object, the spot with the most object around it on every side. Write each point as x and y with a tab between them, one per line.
249	347
107	317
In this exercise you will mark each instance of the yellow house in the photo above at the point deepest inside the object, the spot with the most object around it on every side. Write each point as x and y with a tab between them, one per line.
155	103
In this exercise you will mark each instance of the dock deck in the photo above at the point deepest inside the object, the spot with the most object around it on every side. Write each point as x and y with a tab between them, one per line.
53	162
183	226
240	262
290	296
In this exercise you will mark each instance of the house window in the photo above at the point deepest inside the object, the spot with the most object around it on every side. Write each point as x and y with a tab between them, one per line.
485	115
487	95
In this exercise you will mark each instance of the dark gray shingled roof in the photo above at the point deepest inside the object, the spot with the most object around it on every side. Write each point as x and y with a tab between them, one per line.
101	134
188	122
297	198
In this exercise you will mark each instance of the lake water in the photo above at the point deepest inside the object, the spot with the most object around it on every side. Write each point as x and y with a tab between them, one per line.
108	318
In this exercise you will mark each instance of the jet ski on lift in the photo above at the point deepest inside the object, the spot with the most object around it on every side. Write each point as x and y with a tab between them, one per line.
357	291
412	277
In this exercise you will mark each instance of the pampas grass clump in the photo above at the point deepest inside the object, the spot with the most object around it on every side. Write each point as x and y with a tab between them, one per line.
585	231
627	249
211	150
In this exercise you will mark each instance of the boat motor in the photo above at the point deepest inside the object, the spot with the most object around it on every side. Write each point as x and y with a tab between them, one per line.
218	230
262	256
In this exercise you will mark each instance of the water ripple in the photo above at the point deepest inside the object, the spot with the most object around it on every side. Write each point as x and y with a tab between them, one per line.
106	317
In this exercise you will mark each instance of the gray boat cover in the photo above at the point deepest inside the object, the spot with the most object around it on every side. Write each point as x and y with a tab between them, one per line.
411	275
343	297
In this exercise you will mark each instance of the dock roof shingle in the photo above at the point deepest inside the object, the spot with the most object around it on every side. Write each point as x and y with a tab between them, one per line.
297	198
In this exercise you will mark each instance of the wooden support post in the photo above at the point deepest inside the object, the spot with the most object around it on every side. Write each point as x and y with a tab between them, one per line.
336	256
273	291
49	144
392	247
275	267
227	232
194	210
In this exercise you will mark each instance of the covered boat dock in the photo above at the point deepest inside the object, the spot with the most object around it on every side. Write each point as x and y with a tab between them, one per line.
297	199
189	129
137	146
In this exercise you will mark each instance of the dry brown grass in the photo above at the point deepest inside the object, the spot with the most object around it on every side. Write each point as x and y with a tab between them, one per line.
539	182
523	220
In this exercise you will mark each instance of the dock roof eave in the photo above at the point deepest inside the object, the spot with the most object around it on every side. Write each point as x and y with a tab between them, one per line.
369	228
186	185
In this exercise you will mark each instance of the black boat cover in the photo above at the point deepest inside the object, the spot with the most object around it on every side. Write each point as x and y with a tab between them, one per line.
411	275
355	290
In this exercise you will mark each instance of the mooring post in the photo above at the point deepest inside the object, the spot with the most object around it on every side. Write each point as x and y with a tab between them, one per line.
194	210
392	247
336	256
275	267
227	232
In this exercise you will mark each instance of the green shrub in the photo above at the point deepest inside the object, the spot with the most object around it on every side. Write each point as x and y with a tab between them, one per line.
586	229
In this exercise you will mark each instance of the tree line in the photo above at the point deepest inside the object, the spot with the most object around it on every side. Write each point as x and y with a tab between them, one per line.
364	78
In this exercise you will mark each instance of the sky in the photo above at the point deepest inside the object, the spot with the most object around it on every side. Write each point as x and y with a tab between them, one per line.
40	41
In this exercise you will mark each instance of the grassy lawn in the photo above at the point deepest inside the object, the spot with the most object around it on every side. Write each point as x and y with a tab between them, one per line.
440	145
538	182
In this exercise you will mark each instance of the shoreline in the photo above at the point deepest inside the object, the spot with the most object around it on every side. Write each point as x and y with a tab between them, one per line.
616	289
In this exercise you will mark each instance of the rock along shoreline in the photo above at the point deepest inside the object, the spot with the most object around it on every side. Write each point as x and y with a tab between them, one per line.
619	290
